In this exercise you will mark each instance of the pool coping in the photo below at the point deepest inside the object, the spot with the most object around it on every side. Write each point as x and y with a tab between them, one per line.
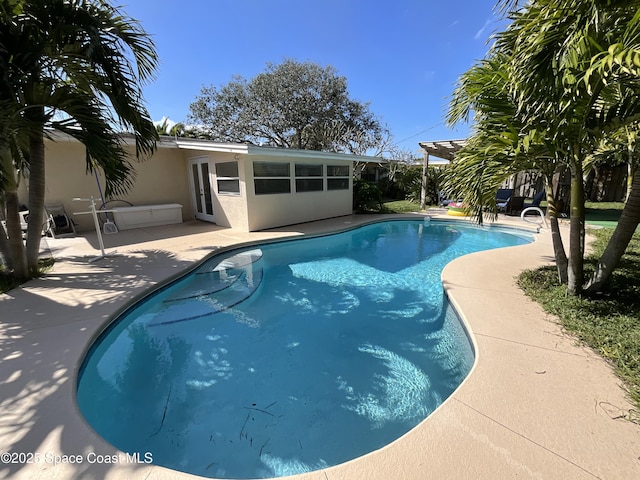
489	428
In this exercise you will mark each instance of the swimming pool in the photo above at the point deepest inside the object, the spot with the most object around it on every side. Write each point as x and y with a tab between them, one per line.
286	357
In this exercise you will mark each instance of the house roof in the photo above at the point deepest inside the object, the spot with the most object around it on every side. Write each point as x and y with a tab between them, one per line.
443	148
239	148
254	150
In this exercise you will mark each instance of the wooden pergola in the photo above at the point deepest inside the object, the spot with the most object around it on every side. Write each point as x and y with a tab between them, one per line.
445	149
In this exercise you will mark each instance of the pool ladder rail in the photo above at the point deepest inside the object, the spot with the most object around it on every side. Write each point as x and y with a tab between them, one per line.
216	286
541	222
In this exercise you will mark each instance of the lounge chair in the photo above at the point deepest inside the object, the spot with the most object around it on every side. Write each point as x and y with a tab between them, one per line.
444	201
24	219
59	225
508	203
503	194
536	200
515	206
502	198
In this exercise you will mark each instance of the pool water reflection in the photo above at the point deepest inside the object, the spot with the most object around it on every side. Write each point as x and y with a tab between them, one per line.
287	357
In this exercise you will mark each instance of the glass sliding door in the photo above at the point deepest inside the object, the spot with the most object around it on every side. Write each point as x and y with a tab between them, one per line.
202	192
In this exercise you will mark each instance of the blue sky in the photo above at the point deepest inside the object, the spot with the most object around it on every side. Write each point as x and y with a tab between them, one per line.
402	56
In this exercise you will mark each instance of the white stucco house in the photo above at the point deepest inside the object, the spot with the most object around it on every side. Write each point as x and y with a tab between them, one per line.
241	186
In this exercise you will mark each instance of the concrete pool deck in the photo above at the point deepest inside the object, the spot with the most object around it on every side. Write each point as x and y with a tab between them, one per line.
536	404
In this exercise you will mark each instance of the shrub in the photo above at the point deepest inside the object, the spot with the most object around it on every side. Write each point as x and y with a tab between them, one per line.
367	196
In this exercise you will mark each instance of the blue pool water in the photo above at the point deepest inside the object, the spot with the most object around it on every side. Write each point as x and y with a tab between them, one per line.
289	356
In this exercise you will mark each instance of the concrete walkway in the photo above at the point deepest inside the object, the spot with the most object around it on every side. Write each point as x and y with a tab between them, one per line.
536	405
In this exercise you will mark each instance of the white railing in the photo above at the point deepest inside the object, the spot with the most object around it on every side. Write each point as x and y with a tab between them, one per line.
542	221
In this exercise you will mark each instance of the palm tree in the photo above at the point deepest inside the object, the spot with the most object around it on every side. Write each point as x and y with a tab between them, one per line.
630	218
487	158
74	66
493	153
9	204
565	63
619	241
13	148
618	148
574	77
168	127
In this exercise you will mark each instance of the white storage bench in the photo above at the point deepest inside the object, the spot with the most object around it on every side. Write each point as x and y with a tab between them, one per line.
147	215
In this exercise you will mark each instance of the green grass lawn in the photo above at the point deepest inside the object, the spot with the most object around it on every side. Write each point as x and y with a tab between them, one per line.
603	214
400	206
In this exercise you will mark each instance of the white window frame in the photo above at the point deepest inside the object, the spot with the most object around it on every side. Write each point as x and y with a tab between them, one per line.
280	178
222	178
346	177
320	177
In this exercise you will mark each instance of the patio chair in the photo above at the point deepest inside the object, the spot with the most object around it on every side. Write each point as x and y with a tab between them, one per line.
502	198
60	224
536	200
24	218
513	206
503	194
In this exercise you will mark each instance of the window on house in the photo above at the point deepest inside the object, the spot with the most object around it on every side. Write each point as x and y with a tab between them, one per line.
271	178
227	177
309	178
337	177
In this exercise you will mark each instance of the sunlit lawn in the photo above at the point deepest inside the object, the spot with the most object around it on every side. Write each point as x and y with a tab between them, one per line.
602	214
400	206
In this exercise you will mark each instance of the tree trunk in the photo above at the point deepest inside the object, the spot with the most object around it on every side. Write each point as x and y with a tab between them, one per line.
36	201
424	182
14	232
631	173
5	251
619	241
575	276
6	166
558	247
13	251
631	167
299	135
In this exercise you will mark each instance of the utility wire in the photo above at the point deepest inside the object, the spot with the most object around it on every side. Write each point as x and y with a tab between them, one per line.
420	133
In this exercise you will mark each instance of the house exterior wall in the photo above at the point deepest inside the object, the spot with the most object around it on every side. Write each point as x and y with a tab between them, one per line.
159	179
166	178
229	210
280	209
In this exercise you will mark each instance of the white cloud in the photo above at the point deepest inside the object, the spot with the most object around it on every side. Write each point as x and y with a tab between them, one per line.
480	33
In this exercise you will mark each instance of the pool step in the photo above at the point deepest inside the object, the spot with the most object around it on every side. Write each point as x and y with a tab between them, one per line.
214	287
230	262
215	275
201	285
